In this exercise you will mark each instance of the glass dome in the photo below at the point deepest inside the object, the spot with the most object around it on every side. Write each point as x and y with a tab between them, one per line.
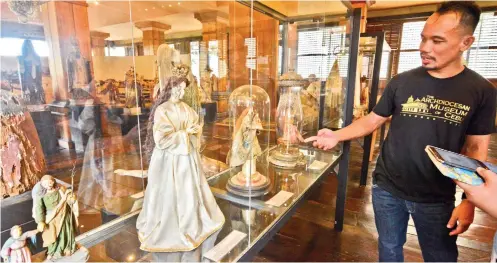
250	111
289	124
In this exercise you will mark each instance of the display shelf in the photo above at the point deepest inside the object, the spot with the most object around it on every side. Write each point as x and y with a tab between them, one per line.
118	240
297	180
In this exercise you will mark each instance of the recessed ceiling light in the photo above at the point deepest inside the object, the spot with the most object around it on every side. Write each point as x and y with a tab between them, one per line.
146	9
179	3
170	6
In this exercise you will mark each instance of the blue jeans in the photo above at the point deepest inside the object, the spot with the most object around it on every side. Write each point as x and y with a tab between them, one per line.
430	219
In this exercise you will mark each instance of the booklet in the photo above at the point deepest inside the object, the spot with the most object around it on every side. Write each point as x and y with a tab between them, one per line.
458	166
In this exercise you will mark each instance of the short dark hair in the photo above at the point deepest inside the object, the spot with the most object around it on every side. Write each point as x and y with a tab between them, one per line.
468	10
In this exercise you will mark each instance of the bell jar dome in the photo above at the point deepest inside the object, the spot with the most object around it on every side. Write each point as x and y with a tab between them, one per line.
250	109
289	124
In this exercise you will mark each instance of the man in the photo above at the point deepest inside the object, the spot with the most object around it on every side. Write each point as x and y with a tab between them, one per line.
443	104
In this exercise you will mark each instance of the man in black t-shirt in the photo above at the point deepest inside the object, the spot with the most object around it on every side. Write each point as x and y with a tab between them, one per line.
443	104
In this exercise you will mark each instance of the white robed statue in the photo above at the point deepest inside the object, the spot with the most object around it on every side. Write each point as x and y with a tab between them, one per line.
179	210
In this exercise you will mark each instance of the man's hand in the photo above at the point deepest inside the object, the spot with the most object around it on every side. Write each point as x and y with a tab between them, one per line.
41	226
463	216
483	196
325	133
323	143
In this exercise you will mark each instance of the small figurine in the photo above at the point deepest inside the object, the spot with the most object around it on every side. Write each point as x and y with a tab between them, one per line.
244	151
55	210
133	93
17	247
207	84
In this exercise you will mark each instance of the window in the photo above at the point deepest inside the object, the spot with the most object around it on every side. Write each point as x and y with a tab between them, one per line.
385	59
115	51
318	50
483	54
214	57
480	57
12	47
195	58
409	46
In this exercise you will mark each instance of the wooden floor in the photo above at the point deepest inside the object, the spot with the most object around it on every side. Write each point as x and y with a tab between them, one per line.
309	234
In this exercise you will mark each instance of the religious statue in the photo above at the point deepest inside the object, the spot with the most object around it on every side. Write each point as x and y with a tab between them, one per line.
190	214
18	247
191	97
30	70
55	210
22	160
133	93
110	87
335	94
289	125
78	73
207	84
244	151
167	57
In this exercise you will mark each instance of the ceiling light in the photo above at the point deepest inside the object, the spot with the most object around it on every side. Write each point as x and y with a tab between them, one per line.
179	3
170	6
146	9
96	2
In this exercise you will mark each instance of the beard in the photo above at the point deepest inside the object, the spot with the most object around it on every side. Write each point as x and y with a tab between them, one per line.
428	62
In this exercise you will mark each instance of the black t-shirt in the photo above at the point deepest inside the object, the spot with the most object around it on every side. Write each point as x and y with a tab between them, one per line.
429	111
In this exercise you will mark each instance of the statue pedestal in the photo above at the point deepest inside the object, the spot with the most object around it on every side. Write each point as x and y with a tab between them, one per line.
81	255
285	158
241	186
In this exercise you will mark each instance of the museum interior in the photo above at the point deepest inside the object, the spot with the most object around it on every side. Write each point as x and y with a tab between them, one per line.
97	94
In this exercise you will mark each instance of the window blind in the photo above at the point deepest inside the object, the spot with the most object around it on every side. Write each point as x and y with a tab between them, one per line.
409	45
483	54
317	49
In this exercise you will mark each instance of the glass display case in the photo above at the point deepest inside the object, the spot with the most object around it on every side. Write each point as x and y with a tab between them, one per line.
84	84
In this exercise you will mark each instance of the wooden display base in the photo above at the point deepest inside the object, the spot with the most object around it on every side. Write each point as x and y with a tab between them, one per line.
259	185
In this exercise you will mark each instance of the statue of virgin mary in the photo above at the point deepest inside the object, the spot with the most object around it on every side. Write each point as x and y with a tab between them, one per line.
179	211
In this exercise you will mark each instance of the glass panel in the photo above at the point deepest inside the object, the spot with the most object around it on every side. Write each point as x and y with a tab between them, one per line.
81	112
140	106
